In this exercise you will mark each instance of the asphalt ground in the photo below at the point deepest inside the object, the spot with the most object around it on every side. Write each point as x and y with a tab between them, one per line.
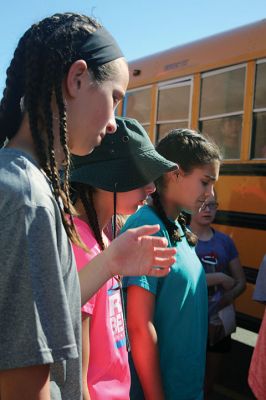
232	383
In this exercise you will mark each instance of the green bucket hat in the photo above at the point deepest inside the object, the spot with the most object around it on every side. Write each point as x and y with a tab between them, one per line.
125	160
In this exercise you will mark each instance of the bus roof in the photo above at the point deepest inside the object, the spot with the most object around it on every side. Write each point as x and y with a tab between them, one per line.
228	48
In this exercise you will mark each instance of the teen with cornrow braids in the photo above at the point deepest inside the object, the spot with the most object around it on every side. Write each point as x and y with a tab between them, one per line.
167	317
63	84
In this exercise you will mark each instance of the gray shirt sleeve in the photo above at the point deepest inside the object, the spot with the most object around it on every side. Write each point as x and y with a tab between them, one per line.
35	324
260	288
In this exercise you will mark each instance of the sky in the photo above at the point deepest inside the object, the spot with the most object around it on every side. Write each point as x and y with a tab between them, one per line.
141	27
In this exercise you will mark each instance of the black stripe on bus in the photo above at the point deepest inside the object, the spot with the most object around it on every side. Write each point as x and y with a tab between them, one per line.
241	219
248	322
243	169
251	274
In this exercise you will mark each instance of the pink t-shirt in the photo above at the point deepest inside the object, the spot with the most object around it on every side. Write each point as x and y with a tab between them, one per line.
108	373
257	369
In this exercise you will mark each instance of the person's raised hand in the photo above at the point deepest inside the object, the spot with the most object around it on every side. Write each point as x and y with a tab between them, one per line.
135	252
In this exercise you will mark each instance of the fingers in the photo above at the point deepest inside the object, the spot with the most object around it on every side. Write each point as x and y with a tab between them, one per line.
157	241
164	253
162	265
154	241
160	262
143	232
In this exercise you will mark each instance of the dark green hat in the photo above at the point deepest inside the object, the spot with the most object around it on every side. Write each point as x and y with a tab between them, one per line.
125	160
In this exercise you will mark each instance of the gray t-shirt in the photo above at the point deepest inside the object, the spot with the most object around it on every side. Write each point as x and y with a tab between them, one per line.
260	288
39	287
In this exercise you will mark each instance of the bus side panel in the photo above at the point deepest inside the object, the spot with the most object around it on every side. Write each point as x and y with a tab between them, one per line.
246	305
250	243
242	193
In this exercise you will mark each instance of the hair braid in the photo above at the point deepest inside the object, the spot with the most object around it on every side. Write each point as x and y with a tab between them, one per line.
190	236
47	90
31	100
85	193
52	168
65	195
56	65
171	227
10	110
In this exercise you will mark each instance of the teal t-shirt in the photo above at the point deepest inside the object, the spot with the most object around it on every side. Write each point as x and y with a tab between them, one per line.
180	317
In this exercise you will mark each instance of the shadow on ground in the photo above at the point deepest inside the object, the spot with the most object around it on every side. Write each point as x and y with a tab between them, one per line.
232	383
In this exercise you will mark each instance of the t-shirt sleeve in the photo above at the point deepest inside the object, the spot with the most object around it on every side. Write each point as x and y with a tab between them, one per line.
36	325
260	288
231	249
139	219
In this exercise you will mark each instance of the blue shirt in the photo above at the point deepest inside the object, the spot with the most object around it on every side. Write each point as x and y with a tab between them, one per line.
215	255
180	316
220	248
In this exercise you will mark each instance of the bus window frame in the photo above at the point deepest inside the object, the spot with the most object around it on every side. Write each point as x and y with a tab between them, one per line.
255	111
134	90
229	114
169	84
221	71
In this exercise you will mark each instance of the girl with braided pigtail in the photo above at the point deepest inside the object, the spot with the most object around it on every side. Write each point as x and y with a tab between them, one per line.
171	227
167	317
62	87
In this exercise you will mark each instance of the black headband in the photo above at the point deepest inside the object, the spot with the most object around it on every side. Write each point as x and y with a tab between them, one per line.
100	48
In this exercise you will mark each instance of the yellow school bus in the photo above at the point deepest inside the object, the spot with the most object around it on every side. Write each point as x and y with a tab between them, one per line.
217	85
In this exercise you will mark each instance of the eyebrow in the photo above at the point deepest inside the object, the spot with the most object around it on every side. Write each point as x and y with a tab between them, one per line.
213	178
120	94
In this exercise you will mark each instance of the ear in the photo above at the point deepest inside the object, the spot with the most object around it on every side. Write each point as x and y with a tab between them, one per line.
173	175
76	77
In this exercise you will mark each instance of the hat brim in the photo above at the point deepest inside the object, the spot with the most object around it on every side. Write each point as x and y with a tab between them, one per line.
122	175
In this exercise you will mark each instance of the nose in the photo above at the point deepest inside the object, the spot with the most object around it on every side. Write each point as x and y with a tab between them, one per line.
209	192
212	191
207	207
111	126
150	188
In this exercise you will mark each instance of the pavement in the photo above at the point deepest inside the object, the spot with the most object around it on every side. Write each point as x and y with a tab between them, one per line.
232	383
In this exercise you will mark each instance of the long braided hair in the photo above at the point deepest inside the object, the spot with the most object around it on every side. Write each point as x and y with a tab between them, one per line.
189	150
34	78
85	193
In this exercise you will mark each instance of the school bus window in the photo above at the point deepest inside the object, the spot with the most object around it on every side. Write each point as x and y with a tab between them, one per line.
137	104
163	129
221	108
226	132
258	146
173	107
260	86
173	103
222	93
258	149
